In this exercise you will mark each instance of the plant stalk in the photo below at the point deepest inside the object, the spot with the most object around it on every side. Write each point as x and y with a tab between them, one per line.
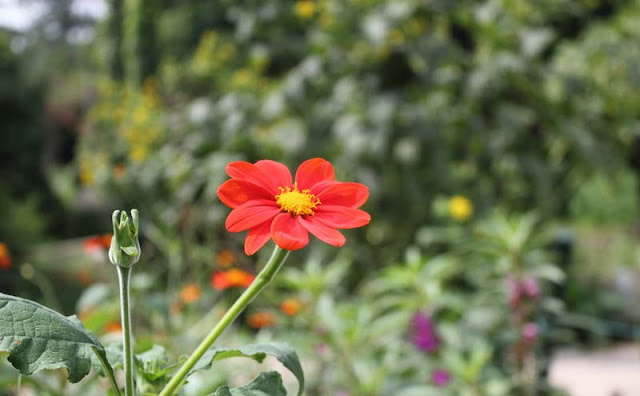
124	277
278	258
108	371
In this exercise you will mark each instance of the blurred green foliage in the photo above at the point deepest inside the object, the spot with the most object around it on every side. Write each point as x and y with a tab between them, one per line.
413	99
511	105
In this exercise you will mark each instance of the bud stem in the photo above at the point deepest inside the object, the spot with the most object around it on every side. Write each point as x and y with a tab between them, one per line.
278	258
124	276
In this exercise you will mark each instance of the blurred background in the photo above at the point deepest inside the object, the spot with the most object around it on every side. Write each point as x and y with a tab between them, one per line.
500	140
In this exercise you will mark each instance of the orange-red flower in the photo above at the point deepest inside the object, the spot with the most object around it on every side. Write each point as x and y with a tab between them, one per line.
97	242
221	280
291	306
258	320
267	202
5	258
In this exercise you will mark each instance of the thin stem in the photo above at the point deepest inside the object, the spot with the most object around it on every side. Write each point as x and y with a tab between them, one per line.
108	370
124	276
264	277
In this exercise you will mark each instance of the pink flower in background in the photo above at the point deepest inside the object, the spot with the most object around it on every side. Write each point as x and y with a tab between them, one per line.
424	335
515	291
440	377
531	287
529	332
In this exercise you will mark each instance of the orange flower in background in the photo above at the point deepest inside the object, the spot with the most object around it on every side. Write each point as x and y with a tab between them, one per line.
190	293
226	258
119	170
5	258
291	306
222	280
84	277
270	205
113	327
97	242
258	320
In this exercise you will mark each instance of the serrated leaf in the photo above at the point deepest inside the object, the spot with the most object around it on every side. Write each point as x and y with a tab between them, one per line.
258	352
268	383
39	338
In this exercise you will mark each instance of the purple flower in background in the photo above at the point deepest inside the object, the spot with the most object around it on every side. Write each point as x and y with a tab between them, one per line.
440	377
342	393
531	287
424	333
529	332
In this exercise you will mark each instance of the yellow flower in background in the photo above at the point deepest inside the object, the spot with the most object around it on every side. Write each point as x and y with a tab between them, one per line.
87	177
241	79
305	9
460	208
139	153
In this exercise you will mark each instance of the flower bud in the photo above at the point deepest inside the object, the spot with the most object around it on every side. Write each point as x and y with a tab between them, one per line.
125	247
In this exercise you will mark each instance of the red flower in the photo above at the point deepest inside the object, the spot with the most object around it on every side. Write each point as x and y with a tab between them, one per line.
5	258
267	202
97	242
221	280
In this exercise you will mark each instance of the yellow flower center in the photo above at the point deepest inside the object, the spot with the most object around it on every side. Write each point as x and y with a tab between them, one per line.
297	202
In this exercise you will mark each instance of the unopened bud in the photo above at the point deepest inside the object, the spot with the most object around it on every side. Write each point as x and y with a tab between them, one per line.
125	247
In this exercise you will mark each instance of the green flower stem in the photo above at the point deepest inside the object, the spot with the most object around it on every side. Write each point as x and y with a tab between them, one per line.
124	276
264	277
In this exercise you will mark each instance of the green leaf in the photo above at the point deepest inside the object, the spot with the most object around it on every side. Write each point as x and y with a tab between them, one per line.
281	351
39	338
268	383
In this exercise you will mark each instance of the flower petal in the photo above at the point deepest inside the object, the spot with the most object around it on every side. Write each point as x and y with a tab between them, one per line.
288	233
323	232
257	237
323	185
251	214
313	171
250	172
342	216
277	173
348	194
235	192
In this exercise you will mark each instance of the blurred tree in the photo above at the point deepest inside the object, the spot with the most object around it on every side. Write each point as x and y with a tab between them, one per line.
22	185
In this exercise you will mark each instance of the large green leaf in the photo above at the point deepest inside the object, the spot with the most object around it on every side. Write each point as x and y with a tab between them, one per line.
281	351
38	338
266	384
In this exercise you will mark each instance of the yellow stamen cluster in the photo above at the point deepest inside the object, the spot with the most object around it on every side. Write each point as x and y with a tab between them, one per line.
297	202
